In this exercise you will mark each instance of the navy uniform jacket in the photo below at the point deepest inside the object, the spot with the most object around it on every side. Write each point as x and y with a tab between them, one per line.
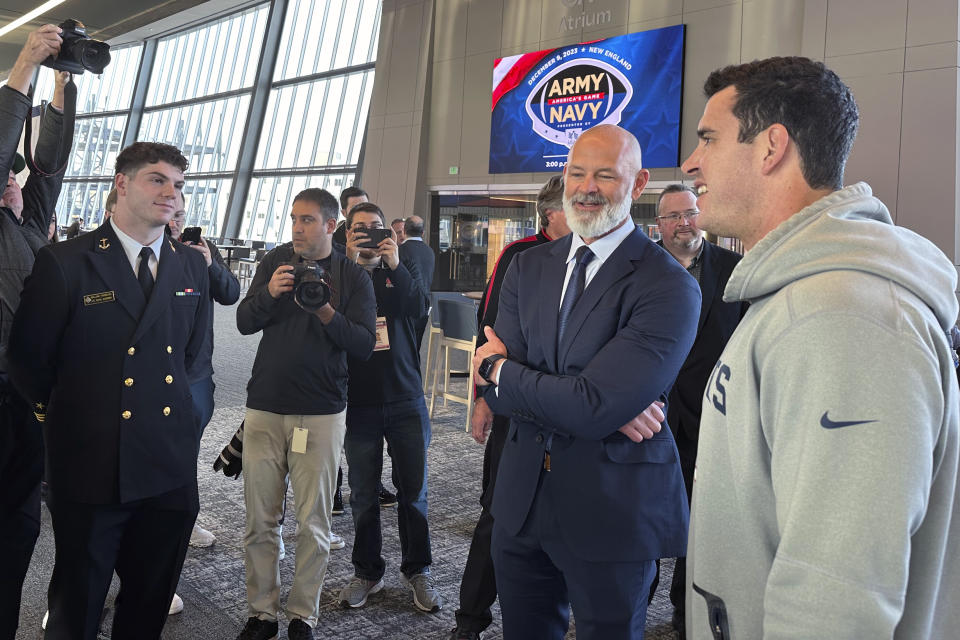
107	371
616	500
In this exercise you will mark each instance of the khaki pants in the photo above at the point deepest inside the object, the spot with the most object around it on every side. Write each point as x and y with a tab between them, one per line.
268	459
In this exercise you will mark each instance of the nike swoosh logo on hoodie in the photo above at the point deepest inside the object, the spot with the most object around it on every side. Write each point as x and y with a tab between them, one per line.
827	423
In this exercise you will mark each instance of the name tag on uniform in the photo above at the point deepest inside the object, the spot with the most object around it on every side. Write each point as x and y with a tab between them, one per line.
98	298
299	444
383	337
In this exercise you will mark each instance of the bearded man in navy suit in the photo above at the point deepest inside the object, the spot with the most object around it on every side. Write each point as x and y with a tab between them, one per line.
592	329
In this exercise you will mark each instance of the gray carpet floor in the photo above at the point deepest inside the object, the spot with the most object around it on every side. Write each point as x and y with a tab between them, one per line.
212	583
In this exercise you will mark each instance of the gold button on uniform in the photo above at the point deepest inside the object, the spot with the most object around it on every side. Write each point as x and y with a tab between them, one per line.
169	349
128	382
168	379
131	351
166	411
126	415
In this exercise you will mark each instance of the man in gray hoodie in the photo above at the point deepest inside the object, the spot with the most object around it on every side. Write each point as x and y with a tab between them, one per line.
825	500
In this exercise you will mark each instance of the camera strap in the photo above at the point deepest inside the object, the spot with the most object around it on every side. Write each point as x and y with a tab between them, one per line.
336	269
66	140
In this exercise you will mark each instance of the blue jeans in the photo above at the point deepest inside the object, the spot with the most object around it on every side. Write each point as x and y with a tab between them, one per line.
406	428
202	392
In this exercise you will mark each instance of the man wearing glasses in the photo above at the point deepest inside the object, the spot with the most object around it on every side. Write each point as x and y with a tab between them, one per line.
711	266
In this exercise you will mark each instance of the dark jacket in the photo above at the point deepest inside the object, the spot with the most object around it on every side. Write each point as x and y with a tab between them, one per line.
108	370
225	289
422	255
301	365
392	374
19	243
717	322
490	301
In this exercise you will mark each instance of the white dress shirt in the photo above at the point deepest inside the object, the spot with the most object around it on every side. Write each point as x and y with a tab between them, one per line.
132	248
602	249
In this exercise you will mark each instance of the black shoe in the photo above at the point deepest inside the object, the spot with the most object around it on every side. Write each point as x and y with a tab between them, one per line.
457	634
338	503
299	630
258	629
387	499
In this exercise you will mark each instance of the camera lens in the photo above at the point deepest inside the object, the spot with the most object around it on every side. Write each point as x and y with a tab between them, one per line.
311	295
93	55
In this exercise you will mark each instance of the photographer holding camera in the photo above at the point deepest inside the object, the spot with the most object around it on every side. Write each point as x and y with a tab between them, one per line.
385	401
314	308
25	216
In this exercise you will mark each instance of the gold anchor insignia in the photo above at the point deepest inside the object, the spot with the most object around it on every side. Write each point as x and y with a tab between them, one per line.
104	243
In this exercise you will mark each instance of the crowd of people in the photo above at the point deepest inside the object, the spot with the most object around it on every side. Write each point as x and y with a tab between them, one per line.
784	423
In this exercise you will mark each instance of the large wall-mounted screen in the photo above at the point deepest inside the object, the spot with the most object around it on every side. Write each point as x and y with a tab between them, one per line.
543	101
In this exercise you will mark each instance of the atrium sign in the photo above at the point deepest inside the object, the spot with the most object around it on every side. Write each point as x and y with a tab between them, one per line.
592	19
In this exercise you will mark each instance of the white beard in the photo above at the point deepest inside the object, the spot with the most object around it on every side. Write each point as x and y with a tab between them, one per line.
593	226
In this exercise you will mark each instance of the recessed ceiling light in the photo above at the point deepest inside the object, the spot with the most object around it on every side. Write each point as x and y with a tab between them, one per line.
30	15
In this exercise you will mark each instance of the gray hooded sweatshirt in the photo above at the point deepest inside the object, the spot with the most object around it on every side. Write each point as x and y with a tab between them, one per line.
825	500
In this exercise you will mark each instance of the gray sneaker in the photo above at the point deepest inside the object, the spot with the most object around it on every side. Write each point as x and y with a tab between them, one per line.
355	593
425	596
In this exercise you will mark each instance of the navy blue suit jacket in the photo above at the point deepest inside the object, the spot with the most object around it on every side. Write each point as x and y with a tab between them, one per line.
626	339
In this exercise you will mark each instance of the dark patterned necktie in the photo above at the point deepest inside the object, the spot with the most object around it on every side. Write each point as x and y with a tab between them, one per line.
144	275
575	287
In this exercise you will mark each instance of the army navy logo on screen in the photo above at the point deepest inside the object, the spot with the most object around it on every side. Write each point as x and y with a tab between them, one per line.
575	96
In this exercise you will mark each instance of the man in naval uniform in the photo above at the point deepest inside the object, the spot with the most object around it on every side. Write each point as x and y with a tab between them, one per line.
107	327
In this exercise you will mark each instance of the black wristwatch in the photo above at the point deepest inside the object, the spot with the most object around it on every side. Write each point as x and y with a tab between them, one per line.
486	367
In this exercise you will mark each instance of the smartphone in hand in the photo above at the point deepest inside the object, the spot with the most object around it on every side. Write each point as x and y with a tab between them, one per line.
374	237
191	234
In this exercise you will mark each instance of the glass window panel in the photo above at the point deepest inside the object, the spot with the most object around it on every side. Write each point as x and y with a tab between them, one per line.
328	117
83	200
110	91
315	124
228	48
205	133
96	143
347	35
368	33
353	118
320	36
207	200
266	213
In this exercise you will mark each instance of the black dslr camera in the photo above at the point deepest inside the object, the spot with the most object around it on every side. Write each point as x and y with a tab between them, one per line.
79	52
311	285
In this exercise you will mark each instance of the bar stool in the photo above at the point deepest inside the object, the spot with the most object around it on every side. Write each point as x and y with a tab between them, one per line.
458	322
434	331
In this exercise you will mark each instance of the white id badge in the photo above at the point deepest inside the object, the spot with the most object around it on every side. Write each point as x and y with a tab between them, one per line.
299	440
383	338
